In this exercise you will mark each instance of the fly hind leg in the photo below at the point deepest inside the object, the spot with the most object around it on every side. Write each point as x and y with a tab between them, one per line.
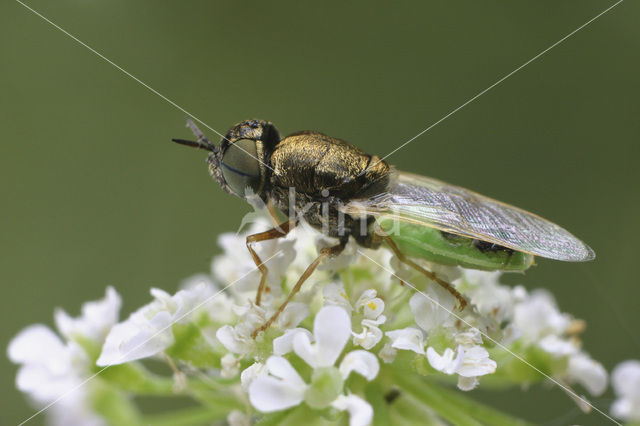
278	232
404	259
325	252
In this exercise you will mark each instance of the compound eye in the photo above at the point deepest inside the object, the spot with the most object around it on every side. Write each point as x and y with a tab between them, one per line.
240	167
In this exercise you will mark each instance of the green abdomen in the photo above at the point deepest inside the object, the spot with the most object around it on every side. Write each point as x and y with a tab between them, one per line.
447	249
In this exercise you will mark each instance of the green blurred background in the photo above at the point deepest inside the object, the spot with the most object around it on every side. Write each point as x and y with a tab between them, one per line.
94	193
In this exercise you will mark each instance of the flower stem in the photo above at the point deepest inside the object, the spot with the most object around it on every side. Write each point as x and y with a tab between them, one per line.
451	405
186	417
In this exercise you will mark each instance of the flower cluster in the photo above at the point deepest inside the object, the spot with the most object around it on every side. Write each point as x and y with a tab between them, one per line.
53	370
365	337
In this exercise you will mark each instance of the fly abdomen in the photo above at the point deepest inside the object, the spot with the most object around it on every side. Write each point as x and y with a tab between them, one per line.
451	249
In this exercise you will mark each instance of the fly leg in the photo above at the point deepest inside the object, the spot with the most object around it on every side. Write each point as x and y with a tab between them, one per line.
402	258
277	232
273	212
327	251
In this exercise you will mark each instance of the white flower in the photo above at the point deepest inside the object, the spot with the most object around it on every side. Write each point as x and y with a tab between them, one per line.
469	337
331	331
434	309
372	308
625	380
284	344
229	365
238	418
360	412
469	361
371	333
538	316
250	373
236	264
490	297
218	306
335	295
97	318
538	321
448	362
588	373
475	363
362	362
409	338
557	346
239	339
388	353
292	315
52	370
148	331
282	387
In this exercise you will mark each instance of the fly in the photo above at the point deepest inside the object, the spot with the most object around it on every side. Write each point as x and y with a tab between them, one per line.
347	193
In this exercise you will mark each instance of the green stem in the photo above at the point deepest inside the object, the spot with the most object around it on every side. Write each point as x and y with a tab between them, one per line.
187	417
300	415
213	399
407	411
451	405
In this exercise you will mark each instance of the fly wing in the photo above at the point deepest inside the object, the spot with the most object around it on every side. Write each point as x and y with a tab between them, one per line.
430	202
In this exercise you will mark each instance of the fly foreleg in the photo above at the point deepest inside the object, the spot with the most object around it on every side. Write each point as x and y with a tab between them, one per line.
278	232
325	252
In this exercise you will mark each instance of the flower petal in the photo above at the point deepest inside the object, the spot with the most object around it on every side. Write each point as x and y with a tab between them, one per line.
432	308
448	362
625	409
538	316
293	315
360	412
284	344
36	344
250	373
304	349
467	383
363	362
409	338
282	369
476	362
334	295
371	333
589	373
230	366
134	339
557	346
229	337
625	379
238	418
96	320
387	353
331	331
270	394
54	375
283	389
371	305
